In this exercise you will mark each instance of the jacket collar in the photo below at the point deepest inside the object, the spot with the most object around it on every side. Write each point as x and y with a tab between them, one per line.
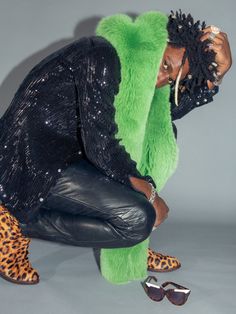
143	111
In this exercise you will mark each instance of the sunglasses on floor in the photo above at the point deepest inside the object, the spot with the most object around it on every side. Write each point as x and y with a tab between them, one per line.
177	295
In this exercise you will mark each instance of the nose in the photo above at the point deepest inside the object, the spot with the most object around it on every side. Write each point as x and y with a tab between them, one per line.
162	79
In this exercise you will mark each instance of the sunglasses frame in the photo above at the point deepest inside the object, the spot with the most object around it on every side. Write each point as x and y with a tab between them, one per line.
178	288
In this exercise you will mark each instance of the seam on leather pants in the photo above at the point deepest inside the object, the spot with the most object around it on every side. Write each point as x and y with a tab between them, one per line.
74	201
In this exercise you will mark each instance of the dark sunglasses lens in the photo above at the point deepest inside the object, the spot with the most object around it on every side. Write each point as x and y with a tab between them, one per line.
178	298
155	294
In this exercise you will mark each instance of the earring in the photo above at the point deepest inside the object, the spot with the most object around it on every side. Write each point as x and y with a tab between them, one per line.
170	81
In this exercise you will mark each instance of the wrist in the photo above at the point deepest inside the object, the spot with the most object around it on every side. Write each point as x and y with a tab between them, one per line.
216	82
142	186
218	79
210	84
153	194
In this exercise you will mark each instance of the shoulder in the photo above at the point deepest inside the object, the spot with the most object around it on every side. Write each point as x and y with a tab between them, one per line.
104	52
101	43
101	61
89	46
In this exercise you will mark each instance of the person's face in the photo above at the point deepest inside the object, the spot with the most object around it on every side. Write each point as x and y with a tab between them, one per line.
170	65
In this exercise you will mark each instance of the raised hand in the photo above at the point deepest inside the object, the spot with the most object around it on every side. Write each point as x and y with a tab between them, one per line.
220	45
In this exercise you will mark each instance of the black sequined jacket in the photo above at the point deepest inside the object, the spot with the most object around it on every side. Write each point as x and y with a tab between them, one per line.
62	111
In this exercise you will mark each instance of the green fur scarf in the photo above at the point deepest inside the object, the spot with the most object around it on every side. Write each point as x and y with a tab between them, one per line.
143	119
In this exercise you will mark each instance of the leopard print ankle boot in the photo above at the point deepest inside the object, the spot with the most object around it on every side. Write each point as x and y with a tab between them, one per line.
14	264
161	263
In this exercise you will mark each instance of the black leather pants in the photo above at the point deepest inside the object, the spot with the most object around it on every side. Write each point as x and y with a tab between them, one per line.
87	208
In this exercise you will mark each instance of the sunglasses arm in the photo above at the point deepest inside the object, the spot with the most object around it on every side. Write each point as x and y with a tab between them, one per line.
149	278
174	284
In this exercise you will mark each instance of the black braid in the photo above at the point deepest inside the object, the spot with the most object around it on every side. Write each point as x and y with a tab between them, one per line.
183	32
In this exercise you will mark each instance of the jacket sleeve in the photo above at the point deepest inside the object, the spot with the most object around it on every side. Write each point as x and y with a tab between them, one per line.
97	87
203	96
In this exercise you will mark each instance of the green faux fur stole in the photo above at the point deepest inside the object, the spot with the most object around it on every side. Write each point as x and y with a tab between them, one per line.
143	118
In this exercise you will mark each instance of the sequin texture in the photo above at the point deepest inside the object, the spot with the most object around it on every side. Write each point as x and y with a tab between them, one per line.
62	111
203	96
100	78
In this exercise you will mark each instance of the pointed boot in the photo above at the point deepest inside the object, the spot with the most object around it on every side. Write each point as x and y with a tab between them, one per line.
161	263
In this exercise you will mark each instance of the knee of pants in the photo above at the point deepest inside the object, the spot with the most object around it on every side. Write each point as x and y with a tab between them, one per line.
136	224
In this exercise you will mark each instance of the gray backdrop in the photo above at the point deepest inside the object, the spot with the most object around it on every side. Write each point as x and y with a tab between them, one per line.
200	229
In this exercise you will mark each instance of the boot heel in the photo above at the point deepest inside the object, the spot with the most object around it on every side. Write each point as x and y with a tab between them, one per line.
14	263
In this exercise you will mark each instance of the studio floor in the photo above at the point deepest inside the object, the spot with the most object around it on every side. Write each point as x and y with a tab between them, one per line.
71	283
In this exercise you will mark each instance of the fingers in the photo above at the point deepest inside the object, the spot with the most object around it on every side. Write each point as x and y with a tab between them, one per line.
208	30
219	38
162	211
217	43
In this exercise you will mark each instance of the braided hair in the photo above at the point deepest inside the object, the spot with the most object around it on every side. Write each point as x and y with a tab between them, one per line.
184	32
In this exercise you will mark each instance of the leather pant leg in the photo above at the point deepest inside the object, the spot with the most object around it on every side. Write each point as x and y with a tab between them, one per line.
87	208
